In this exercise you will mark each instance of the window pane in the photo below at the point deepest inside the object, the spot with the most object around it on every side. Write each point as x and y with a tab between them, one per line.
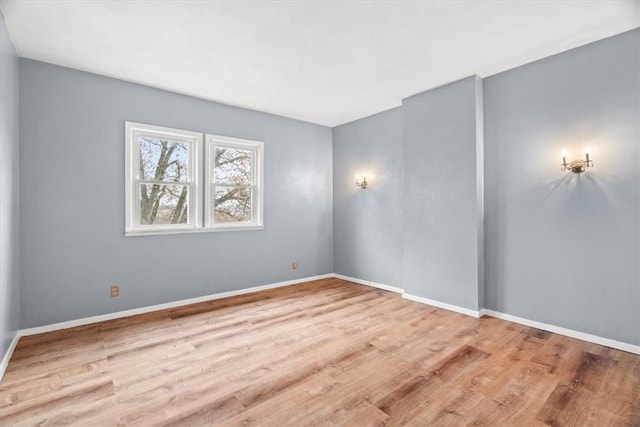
232	166
163	159
232	205
164	204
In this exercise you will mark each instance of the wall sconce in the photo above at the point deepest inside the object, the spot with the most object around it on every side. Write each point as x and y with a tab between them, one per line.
361	183
576	166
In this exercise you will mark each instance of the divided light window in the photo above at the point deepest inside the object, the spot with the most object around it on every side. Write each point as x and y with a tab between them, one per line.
233	194
174	184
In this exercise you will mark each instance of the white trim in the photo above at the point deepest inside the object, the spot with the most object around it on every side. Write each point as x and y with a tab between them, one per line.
410	297
564	331
192	230
174	304
241	143
482	312
480	204
369	283
450	307
607	342
7	356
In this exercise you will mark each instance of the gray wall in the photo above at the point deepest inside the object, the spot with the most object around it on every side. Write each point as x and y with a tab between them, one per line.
441	246
368	223
72	200
563	248
9	266
559	248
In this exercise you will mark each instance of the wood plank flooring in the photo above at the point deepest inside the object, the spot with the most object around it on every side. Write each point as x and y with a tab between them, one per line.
322	353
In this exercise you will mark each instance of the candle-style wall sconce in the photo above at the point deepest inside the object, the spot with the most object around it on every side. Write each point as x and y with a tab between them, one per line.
362	183
576	166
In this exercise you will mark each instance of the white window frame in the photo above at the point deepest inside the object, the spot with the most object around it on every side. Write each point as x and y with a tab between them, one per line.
257	149
200	181
133	181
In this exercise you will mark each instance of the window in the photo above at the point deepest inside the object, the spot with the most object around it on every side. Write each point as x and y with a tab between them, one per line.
171	187
233	195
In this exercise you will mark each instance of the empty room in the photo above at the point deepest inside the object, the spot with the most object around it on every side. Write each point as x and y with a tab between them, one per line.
320	213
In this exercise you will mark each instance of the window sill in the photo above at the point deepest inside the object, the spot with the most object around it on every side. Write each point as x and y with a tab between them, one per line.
159	232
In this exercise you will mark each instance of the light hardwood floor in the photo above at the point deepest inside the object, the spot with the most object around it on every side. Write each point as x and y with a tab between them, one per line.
322	353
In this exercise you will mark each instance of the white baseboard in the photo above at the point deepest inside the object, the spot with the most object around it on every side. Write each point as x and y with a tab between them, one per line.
369	283
415	298
7	356
479	313
564	331
607	342
158	307
450	307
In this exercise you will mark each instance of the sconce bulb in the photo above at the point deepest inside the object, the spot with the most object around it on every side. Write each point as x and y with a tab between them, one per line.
564	153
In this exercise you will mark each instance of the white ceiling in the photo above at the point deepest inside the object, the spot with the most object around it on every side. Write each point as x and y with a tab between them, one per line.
326	62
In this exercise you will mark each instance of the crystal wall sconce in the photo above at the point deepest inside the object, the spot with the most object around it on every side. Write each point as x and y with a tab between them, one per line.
576	166
362	183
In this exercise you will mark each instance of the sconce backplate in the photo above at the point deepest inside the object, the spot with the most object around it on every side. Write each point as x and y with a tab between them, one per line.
577	166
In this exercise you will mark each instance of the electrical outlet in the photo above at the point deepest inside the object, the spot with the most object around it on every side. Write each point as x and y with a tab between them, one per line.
115	291
294	265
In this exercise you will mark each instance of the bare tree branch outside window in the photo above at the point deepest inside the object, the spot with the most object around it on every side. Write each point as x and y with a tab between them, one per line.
166	199
232	179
